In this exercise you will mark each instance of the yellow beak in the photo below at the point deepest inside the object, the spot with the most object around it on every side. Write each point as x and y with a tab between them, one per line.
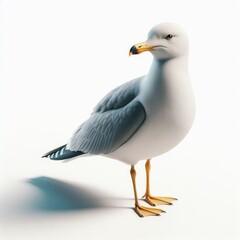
139	48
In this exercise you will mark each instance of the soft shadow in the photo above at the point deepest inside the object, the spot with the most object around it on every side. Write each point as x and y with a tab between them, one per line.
48	195
57	195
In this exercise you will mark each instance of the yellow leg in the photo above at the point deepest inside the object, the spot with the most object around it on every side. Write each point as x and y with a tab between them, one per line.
152	200
140	210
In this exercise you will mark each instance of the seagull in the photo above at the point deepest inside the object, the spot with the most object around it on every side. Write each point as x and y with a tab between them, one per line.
142	118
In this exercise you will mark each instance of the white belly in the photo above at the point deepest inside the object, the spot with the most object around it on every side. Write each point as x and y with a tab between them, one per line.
162	130
168	99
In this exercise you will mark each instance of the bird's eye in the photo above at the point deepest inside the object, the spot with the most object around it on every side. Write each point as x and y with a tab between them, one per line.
169	36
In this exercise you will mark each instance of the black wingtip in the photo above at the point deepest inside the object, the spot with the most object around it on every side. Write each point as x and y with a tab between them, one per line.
61	153
48	154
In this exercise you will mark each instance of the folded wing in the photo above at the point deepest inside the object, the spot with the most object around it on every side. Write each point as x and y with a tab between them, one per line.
115	120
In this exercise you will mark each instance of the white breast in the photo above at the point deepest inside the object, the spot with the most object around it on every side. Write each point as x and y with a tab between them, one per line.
170	108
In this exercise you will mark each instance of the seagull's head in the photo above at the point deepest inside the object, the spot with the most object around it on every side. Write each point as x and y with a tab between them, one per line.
165	41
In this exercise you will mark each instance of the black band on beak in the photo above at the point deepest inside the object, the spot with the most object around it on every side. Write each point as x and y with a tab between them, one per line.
140	47
133	50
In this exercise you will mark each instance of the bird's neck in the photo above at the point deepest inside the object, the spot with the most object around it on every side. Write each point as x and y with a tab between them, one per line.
165	81
168	71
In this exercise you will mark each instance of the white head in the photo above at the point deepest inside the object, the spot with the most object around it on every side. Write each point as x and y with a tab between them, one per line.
165	41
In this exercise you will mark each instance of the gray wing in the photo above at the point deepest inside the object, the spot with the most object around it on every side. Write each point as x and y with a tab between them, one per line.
115	119
120	96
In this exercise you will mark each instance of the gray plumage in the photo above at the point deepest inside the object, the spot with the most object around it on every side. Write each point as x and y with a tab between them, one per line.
119	96
62	153
114	120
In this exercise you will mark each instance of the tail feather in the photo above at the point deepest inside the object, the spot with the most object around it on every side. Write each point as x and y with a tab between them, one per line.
61	153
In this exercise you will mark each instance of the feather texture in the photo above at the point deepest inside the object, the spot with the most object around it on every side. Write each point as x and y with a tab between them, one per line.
120	96
62	153
104	132
114	120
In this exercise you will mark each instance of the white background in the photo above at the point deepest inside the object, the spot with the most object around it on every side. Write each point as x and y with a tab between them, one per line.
58	58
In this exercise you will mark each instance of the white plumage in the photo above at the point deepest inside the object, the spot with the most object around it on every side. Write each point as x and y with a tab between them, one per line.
145	117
